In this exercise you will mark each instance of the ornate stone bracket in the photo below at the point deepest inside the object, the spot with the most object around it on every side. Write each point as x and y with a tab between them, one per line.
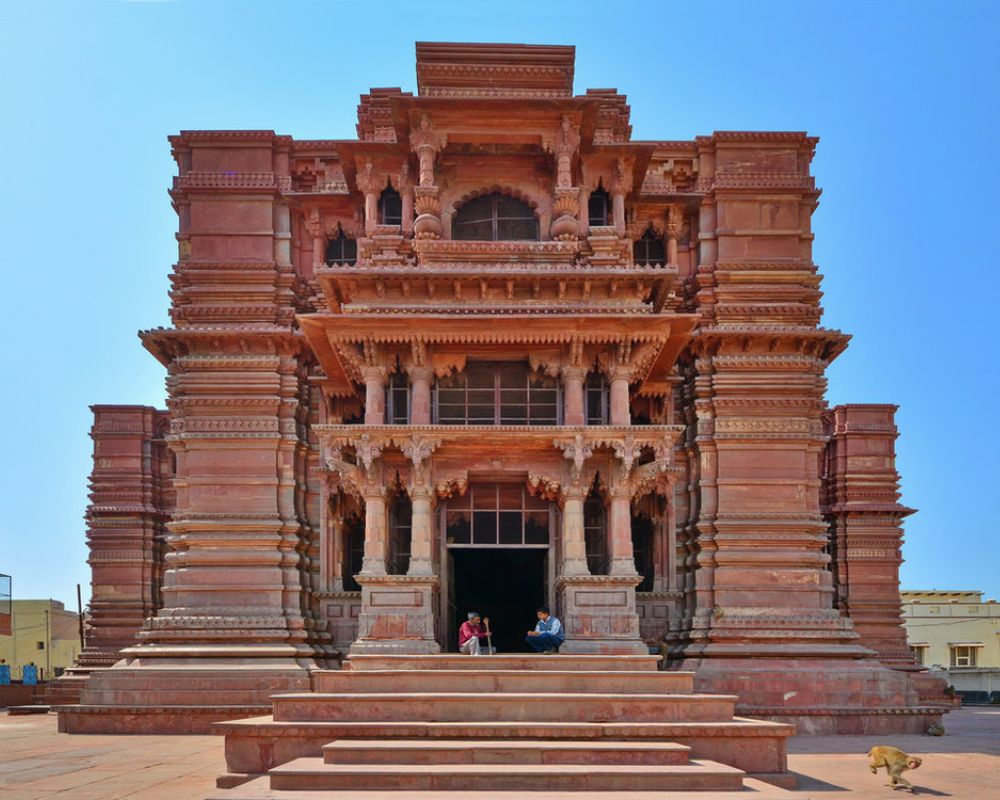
577	450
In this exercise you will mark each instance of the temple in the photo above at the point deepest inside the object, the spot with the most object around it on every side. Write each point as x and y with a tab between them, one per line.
494	353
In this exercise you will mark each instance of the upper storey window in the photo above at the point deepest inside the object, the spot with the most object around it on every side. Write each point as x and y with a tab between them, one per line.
341	250
599	207
495	218
648	249
497	393
390	207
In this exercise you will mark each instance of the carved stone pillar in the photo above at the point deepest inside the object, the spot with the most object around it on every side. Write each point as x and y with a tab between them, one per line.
314	227
374	394
369	184
573	411
620	531
376	530
619	400
420	395
421	562
574	545
675	225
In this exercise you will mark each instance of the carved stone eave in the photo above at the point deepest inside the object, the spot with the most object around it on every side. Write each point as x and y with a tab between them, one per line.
166	344
334	338
821	343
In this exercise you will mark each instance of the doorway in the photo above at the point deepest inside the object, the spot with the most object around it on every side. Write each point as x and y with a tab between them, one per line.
505	584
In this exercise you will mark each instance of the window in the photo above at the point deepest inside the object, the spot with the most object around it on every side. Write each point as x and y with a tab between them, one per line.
354	551
599	207
397	399
596	399
648	249
390	207
497	393
497	514
341	250
400	535
495	218
595	534
963	655
919	654
642	550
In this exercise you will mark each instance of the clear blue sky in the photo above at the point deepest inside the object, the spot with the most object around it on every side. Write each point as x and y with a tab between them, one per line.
904	96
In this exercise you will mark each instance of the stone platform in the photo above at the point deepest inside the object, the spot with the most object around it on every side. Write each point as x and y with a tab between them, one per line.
513	723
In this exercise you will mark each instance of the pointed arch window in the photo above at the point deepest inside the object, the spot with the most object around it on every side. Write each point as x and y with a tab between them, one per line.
495	217
341	250
599	206
648	249
390	207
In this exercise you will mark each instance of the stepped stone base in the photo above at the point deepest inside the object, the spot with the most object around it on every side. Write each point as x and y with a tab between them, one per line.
820	697
179	697
581	723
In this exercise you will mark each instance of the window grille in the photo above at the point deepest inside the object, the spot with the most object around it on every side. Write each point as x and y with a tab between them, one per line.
341	250
497	393
397	399
390	207
400	535
497	515
648	249
596	399
495	218
599	207
595	534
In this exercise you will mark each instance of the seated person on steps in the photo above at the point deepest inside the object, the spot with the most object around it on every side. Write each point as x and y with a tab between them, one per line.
470	634
548	633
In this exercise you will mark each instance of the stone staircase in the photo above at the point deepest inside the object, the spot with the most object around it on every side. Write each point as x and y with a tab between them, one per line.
515	723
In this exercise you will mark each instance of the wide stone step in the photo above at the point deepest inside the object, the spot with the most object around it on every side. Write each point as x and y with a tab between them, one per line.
260	789
490	680
508	707
521	662
313	774
255	745
520	751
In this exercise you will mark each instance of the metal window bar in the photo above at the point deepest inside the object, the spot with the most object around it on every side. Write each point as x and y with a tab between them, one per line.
497	515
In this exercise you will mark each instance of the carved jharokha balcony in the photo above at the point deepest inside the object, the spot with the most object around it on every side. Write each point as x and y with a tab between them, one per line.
597	275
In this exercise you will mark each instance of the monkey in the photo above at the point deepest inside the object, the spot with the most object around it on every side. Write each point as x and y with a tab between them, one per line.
895	762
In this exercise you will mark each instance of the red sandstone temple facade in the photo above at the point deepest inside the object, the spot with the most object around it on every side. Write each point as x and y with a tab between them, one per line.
493	353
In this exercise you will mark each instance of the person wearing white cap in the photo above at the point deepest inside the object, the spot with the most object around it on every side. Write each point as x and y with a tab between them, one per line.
471	633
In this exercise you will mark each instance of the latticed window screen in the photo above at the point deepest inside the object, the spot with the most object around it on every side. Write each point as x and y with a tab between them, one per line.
390	207
495	218
341	250
497	393
648	249
497	514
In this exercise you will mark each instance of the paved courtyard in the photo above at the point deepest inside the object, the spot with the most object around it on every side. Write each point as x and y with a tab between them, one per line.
38	763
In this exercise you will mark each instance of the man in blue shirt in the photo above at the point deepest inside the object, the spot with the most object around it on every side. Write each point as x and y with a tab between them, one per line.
547	635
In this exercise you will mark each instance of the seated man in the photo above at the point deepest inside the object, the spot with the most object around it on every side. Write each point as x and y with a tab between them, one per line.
548	633
470	634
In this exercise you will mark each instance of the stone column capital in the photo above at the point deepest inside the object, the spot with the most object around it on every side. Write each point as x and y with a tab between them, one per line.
571	372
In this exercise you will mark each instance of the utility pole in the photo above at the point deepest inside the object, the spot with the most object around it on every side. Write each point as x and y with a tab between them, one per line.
79	615
48	642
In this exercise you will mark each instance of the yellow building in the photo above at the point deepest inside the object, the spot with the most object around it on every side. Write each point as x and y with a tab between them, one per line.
43	633
956	633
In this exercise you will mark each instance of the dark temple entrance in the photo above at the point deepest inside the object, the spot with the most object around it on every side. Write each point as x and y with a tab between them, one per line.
505	584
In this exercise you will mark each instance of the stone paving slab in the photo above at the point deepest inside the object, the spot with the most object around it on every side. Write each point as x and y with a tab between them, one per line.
37	763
